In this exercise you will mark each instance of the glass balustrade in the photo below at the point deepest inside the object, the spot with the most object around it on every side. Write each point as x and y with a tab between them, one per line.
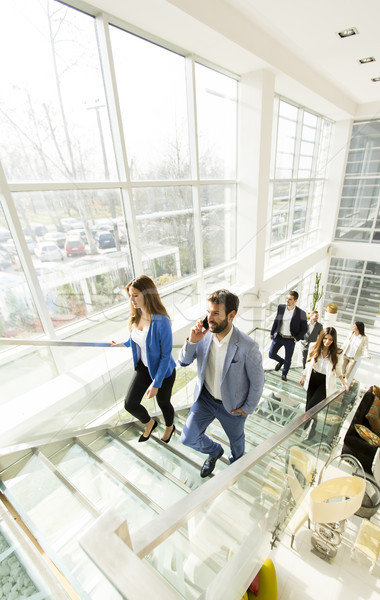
90	393
237	526
56	517
23	574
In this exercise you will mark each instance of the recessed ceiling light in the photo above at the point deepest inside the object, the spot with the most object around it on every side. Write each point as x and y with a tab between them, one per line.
375	79
348	32
369	59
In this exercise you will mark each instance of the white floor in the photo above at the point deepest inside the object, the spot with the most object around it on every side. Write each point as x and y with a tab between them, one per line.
302	575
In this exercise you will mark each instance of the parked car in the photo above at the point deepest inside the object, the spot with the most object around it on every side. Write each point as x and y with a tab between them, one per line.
74	246
58	237
81	233
105	240
71	223
48	251
38	229
5	260
4	234
11	247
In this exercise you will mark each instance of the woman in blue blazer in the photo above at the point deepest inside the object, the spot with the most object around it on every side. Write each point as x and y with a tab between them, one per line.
151	341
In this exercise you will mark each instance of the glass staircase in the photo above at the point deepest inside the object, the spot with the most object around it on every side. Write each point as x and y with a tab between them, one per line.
62	488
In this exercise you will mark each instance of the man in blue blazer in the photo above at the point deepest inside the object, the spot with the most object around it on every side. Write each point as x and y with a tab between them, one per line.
229	383
289	326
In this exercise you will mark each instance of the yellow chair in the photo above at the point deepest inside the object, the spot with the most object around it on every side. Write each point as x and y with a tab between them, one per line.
267	583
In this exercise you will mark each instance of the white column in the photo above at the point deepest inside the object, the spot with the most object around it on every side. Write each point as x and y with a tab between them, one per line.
255	137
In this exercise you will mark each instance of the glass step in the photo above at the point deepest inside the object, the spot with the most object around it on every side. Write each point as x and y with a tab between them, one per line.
100	487
57	519
162	454
143	476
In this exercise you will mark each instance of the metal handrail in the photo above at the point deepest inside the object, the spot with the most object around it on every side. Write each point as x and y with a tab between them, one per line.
155	532
49	342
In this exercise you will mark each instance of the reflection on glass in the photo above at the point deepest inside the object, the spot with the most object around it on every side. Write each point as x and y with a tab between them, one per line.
54	122
152	91
359	207
217	118
165	226
80	249
218	210
300	154
18	315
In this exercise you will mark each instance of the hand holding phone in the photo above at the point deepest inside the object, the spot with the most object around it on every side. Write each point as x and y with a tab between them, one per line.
205	323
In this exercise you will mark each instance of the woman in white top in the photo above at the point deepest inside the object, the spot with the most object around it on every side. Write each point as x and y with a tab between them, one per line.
151	342
321	371
355	346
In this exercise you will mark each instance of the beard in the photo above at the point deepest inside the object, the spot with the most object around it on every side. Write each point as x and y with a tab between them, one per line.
218	328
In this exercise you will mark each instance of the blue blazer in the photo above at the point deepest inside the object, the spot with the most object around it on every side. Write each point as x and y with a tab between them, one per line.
242	374
298	323
159	344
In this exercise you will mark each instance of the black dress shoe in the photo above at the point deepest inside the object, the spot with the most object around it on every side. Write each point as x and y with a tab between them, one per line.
278	367
142	437
209	464
284	378
170	436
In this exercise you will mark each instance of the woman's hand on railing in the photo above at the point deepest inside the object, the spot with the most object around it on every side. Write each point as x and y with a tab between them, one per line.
116	344
302	380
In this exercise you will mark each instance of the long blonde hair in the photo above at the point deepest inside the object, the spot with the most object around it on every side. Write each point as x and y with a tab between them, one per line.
152	300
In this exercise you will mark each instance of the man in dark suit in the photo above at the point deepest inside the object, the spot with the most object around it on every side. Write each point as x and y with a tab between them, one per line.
313	331
289	326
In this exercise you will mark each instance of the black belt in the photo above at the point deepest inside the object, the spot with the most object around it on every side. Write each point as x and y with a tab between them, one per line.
211	396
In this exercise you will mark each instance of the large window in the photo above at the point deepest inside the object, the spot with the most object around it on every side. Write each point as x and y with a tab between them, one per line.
359	212
299	157
354	285
103	173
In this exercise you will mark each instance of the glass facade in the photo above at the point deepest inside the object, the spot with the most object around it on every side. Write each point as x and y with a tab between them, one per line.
299	157
354	285
103	174
359	212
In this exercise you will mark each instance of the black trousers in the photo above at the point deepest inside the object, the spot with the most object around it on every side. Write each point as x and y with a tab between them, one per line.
140	383
316	390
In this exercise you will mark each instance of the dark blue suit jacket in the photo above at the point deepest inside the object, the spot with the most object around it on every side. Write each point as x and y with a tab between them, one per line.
298	323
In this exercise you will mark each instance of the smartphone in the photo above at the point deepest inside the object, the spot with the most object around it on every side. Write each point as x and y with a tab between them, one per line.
205	323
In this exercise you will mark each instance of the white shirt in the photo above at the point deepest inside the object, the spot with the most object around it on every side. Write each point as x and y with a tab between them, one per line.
321	365
139	337
285	325
214	367
353	345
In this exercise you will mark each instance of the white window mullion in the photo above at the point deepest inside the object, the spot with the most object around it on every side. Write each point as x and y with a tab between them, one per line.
109	76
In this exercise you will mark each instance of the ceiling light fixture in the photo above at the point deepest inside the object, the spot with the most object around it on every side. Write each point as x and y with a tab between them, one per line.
348	32
375	79
369	59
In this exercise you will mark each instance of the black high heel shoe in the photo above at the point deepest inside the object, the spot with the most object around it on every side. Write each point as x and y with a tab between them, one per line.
142	437
170	436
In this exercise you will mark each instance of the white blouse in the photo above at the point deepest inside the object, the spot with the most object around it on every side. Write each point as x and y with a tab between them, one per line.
139	337
353	345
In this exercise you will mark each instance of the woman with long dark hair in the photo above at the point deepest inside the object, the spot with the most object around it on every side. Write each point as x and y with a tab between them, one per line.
321	371
151	341
355	346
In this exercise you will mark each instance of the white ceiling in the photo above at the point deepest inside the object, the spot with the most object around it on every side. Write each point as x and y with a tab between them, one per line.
295	39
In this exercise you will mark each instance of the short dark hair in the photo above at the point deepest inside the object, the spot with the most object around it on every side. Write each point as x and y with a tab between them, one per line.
230	300
294	294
